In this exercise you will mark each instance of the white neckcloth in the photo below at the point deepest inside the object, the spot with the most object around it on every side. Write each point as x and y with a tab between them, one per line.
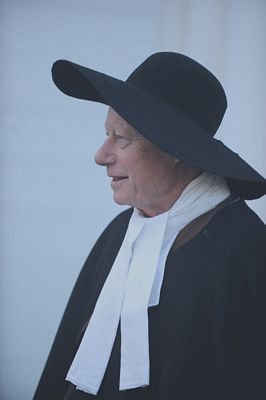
133	284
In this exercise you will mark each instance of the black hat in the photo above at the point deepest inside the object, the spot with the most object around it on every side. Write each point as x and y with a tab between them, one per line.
174	102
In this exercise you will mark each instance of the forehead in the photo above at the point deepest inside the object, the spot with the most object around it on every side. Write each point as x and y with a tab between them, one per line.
116	124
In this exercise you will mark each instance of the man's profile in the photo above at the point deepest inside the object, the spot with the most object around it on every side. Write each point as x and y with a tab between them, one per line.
170	303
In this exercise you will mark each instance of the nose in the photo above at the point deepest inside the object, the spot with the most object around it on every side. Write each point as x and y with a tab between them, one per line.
104	155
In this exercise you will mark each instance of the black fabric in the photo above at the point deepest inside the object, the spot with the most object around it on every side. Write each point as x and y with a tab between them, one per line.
207	335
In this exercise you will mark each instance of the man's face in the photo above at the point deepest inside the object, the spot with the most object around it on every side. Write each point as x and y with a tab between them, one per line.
141	174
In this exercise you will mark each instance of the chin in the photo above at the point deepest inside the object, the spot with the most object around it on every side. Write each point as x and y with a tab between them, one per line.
122	201
119	200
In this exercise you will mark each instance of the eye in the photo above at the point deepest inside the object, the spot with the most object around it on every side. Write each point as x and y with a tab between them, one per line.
118	137
122	140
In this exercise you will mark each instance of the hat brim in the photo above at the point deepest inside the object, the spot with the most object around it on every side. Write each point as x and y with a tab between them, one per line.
164	126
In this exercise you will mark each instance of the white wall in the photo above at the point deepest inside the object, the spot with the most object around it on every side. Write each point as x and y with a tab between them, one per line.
54	200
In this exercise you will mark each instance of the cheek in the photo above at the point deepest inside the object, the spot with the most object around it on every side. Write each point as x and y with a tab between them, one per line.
143	179
146	169
155	177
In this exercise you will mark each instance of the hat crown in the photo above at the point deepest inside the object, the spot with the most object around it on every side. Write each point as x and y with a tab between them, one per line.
185	85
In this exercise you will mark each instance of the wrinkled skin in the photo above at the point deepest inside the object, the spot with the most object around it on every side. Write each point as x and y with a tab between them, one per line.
143	176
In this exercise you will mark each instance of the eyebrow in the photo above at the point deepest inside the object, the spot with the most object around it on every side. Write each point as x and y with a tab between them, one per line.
125	135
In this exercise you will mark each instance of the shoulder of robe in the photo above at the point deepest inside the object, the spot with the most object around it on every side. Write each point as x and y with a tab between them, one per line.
239	225
235	238
249	230
119	221
111	238
117	226
243	234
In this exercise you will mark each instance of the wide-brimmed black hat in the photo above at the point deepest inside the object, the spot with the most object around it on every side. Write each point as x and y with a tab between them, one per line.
174	102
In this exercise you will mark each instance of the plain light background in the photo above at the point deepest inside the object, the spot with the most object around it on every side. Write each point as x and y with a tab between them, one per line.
54	200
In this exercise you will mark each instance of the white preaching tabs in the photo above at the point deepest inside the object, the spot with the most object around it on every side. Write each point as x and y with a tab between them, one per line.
89	365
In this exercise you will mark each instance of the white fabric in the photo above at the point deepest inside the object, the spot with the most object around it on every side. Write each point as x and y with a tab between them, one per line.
133	284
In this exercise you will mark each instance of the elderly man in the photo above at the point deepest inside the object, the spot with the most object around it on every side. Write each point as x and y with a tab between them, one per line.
171	302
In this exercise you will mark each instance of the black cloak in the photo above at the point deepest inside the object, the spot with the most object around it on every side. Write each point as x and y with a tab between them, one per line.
208	333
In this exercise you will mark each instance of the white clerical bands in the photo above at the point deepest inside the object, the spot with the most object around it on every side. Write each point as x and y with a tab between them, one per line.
134	284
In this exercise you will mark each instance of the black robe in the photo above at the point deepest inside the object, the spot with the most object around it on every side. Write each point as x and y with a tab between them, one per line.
208	334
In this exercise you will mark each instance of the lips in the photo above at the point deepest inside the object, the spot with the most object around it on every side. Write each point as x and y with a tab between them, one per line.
117	181
118	178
